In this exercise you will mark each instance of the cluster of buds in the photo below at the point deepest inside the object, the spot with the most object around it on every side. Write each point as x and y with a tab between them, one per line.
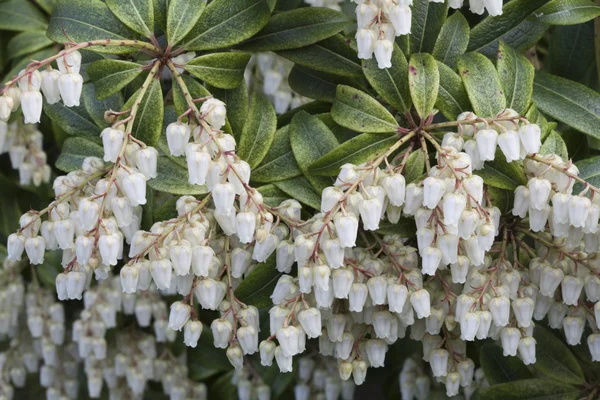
317	378
273	71
64	84
24	145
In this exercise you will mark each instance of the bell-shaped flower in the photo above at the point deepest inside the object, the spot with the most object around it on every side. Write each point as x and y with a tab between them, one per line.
50	85
510	145
70	86
31	105
178	135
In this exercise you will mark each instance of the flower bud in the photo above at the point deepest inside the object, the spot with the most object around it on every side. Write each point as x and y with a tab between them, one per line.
438	359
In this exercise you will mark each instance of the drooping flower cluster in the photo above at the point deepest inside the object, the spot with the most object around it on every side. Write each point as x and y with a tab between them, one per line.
24	145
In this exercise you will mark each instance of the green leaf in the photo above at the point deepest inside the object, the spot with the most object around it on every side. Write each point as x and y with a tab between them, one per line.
96	107
390	83
571	52
225	23
74	151
406	228
452	40
482	83
427	21
110	76
75	121
138	15
360	112
512	27
314	84
297	28
26	43
554	144
424	82
568	102
310	140
356	151
85	20
300	189
530	389
47	5
258	132
222	70
516	75
452	97
501	369
181	18
589	169
554	359
147	125
332	55
236	101
415	166
501	174
256	288
196	90
279	163
313	107
173	178
272	195
568	12
19	15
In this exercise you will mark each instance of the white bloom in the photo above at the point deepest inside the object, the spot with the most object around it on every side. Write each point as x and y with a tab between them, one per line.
146	161
346	227
35	248
134	186
112	142
178	135
509	143
433	190
494	7
70	86
50	85
486	144
214	112
31	104
192	332
383	53
401	17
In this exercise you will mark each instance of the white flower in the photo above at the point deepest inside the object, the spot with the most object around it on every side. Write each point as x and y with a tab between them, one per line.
510	145
438	359
222	332
421	303
6	105
267	352
15	245
146	161
70	86
486	144
401	18
579	209
35	248
530	136
539	192
214	111
346	227
50	85
510	338
192	332
31	104
383	53
129	278
248	338
365	14
134	186
477	6
112	142
70	62
310	319
433	190
178	135
494	7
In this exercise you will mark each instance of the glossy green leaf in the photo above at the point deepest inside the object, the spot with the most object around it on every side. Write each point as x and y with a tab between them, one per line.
512	27
236	101
554	144
300	189
26	43
427	20
19	15
390	83
110	76
97	107
272	195
147	125
332	55
572	54
205	359
47	5
516	75
530	389
501	369
173	178
360	149
279	163
258	132
225	23
222	70
74	151
75	121
554	359
452	40
310	140
138	15
589	169
501	174
452	97
568	12
256	288
415	166
568	102
85	20
360	112
424	83
181	18
314	84
312	107
482	83
297	28
406	228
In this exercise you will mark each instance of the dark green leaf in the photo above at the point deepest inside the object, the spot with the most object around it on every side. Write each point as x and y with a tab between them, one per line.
568	102
26	43
501	369
96	108
554	144
516	75
342	134
482	83
568	12
452	40
85	20
173	178
181	18
427	21
236	101
332	55
314	84
310	140
110	76
589	169
205	355
49	269
279	163
571	52
225	23
47	5
501	174
258	132
424	83
166	210
536	117
390	83
415	166
360	112
511	27
147	125
74	151
313	107
222	70
452	97
196	90
73	120
300	189
19	15
222	388
406	228
356	151
272	195
138	15
530	389
577	149
501	198
554	359
297	28
256	288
